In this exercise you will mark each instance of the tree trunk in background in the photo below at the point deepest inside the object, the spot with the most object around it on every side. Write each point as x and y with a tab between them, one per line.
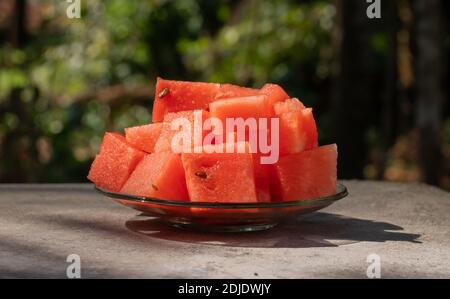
429	79
18	25
15	142
389	97
352	94
404	117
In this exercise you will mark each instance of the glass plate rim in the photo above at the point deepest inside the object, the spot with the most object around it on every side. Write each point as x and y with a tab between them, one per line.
340	194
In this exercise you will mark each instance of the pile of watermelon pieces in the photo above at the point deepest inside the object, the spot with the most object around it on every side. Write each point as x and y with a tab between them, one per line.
142	162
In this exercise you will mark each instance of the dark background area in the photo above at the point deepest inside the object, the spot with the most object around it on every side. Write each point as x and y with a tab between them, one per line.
379	87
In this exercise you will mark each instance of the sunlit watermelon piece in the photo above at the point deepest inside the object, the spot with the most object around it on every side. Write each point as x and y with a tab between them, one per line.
292	137
252	113
114	164
220	177
312	139
245	107
175	96
288	105
261	171
195	118
158	175
144	137
298	131
306	175
274	93
227	91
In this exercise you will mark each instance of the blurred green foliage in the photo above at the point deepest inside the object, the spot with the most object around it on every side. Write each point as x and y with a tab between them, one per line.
73	79
51	88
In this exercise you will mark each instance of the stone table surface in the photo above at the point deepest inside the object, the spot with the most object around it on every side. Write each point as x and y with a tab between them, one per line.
406	225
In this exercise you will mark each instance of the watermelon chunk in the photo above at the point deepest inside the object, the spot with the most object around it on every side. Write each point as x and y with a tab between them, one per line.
158	175
261	171
298	131
114	164
195	118
210	177
144	137
310	127
288	105
306	175
244	107
274	93
175	96
227	91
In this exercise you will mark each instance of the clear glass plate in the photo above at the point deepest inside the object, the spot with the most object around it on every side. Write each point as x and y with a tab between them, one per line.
224	217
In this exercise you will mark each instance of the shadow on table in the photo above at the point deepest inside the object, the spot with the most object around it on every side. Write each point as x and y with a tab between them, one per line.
316	230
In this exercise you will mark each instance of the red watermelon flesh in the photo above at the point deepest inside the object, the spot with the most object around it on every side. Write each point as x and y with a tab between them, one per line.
274	93
312	140
306	175
298	131
227	91
244	107
261	171
110	140
212	177
175	96
262	179
288	105
144	137
158	175
114	164
196	119
292	137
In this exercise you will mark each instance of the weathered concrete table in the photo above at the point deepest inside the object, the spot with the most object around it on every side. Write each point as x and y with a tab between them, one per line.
406	225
